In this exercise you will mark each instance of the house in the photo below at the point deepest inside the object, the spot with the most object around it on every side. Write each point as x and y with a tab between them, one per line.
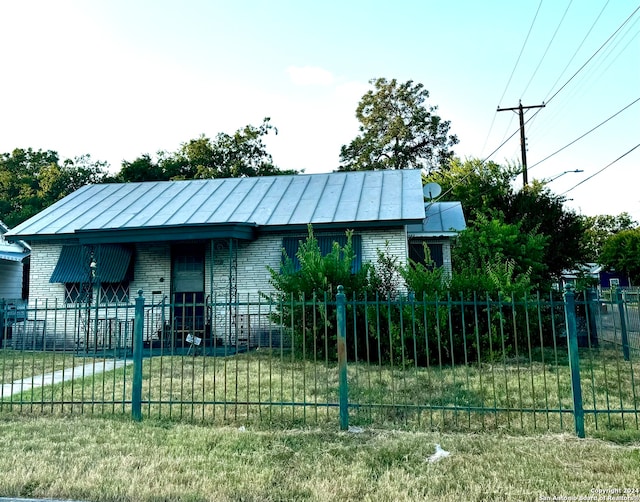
443	221
602	278
200	242
14	267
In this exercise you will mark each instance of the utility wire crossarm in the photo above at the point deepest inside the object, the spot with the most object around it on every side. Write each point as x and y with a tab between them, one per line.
523	145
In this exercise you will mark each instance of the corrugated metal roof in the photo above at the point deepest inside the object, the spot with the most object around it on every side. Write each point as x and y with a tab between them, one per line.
443	219
352	198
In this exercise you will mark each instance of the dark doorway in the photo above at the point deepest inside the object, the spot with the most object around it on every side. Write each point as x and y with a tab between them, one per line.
187	270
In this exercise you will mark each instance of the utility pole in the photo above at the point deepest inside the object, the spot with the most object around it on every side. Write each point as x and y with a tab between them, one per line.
523	145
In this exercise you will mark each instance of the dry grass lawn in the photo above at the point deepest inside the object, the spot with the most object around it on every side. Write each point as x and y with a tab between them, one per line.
111	459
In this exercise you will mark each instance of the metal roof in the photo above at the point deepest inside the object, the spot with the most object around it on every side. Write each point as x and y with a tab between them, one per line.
443	219
12	255
123	212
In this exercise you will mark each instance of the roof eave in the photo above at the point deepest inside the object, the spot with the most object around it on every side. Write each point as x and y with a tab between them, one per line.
340	225
242	231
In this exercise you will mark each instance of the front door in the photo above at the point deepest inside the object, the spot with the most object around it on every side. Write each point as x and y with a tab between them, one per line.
187	265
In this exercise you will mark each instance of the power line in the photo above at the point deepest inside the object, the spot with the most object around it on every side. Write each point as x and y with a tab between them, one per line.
571	78
585	134
594	54
598	172
521	51
578	49
548	47
495	114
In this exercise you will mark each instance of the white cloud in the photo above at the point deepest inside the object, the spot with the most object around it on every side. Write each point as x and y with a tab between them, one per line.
310	75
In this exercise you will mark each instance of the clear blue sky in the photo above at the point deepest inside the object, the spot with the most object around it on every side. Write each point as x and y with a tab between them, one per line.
117	79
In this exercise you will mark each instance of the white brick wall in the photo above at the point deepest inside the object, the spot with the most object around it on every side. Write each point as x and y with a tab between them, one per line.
152	265
152	274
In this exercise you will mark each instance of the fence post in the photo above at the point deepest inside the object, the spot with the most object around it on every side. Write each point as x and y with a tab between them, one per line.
138	325
592	308
342	358
574	359
2	322
623	325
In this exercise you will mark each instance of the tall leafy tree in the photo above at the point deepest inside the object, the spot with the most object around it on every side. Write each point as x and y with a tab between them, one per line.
599	228
31	180
486	189
398	130
241	154
621	252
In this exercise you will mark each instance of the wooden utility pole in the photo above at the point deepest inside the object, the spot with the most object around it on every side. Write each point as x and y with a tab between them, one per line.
523	145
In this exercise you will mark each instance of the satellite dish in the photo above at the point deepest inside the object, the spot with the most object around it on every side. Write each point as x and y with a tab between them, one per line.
431	190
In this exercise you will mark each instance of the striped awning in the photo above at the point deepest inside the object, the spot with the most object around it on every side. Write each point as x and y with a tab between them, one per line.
111	261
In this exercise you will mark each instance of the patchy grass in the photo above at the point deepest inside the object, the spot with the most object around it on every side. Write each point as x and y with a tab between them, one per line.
529	393
18	365
91	458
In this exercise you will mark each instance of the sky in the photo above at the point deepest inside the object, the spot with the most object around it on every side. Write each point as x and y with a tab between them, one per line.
117	79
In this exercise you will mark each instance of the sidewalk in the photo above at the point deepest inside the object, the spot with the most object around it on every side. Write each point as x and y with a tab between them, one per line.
59	376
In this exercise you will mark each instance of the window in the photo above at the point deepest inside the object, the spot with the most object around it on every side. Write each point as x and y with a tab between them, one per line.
416	252
82	268
75	292
117	292
614	283
325	242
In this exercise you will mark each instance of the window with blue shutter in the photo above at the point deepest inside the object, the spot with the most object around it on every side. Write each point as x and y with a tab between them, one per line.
416	252
325	243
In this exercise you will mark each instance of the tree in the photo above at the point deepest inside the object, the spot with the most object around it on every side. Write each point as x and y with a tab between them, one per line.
621	252
242	154
480	186
144	168
485	189
540	210
489	247
398	130
599	228
32	180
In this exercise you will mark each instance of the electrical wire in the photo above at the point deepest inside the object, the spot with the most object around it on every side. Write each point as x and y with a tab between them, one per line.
548	47
594	54
598	172
577	50
585	134
551	98
512	73
521	51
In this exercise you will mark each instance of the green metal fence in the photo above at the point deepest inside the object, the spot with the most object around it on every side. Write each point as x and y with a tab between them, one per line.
555	363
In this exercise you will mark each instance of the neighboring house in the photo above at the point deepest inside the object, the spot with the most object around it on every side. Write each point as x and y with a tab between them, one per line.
444	220
201	241
14	268
604	279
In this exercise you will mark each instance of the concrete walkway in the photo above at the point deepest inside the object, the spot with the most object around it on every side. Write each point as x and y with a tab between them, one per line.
59	376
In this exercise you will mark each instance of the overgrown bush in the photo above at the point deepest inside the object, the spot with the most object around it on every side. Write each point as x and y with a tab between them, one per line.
306	295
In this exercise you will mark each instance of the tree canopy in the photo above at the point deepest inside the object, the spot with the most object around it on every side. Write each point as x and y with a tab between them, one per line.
621	252
242	154
31	180
486	191
398	130
599	228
